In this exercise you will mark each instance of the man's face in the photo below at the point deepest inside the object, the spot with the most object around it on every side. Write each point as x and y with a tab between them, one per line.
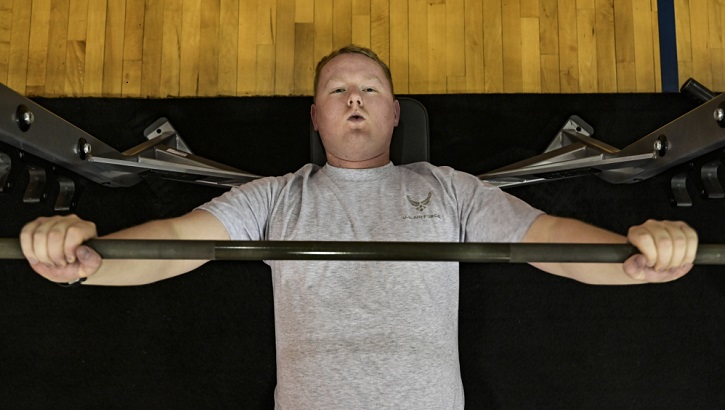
355	112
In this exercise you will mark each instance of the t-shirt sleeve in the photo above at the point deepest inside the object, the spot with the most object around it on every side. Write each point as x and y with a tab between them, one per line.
244	210
489	214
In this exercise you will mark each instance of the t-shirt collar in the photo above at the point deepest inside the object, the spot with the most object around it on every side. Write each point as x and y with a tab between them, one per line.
366	174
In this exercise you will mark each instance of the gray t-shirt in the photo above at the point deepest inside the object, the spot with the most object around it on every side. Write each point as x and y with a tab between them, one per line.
369	334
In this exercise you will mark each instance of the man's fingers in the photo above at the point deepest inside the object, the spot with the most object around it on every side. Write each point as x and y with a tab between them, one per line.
683	245
641	237
26	242
668	250
665	248
692	242
678	246
55	244
39	243
52	245
48	241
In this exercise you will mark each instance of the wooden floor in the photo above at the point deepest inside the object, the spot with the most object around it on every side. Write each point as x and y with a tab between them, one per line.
161	48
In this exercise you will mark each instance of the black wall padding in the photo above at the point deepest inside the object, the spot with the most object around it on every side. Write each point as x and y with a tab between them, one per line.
527	339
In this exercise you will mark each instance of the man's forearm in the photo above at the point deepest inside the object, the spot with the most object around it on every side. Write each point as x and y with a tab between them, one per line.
196	225
129	272
551	229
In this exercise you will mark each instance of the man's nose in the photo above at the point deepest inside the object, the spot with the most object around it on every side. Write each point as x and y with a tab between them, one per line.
354	98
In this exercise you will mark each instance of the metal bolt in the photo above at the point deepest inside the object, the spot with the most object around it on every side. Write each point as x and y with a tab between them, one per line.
661	146
23	117
719	114
83	148
28	117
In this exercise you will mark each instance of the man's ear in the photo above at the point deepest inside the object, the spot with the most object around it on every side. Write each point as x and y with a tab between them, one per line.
313	115
396	108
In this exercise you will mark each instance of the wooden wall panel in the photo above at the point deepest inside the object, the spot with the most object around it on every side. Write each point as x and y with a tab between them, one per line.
6	17
700	53
492	47
95	49
168	48
19	46
38	47
568	47
113	50
606	46
549	45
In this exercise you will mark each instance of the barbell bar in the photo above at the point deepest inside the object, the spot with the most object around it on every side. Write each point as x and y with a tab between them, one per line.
707	254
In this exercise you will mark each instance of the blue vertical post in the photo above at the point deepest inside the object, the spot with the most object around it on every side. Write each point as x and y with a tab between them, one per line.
668	45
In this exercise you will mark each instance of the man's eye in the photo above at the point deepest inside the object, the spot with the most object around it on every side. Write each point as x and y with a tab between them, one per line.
338	90
369	90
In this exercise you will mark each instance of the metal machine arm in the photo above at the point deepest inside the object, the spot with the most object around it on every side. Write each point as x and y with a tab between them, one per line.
574	152
34	130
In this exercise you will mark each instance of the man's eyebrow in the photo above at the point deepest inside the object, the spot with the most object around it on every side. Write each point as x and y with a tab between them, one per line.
368	78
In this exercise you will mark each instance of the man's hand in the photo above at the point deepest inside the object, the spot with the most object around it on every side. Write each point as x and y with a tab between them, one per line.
53	247
667	251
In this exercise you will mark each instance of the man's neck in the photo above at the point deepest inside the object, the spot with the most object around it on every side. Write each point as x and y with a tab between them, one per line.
376	162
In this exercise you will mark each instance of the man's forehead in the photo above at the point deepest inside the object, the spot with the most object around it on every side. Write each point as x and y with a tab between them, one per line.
346	65
340	78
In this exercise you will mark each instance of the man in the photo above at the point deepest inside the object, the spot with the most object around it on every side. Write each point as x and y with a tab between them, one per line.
361	334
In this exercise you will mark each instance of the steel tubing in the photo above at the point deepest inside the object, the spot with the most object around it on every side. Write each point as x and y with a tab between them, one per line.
379	251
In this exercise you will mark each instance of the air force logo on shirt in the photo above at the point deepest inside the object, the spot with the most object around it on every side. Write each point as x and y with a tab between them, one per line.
420	206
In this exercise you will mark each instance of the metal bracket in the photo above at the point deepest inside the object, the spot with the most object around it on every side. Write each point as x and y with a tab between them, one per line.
35	192
66	192
680	195
710	180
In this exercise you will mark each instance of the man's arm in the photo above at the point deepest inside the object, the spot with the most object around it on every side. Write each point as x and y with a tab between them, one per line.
53	247
667	250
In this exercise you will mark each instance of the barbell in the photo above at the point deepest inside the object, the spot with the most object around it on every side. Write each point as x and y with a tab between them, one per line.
707	254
